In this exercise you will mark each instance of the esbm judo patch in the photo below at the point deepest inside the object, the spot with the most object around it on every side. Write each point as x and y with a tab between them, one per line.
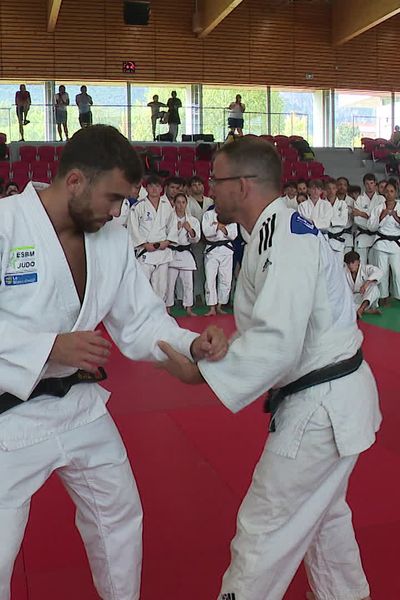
266	233
22	266
300	225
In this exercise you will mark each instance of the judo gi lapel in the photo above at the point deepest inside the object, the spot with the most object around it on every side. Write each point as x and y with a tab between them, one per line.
55	264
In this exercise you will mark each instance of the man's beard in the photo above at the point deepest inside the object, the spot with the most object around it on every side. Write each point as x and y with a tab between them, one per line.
82	214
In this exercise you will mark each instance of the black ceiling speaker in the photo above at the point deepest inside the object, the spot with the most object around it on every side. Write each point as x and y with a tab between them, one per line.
136	13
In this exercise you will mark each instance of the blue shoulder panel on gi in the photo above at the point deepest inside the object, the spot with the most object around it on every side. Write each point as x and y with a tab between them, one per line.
300	225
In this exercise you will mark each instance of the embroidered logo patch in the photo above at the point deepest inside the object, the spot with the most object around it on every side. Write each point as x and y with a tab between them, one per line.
300	225
22	266
20	279
266	265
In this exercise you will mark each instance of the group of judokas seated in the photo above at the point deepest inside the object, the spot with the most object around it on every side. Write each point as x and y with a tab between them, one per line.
176	236
362	228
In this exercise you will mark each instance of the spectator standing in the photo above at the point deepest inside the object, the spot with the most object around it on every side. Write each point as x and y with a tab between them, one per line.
235	118
156	114
61	101
23	104
84	103
174	104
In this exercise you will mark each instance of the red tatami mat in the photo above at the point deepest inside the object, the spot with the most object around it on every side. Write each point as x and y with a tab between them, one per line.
193	462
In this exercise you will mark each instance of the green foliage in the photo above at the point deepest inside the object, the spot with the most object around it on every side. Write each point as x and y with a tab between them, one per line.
347	136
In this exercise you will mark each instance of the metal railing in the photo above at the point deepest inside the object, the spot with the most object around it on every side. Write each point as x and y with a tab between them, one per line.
134	121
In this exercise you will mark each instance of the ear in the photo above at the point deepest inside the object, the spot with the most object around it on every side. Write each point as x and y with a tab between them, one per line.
75	180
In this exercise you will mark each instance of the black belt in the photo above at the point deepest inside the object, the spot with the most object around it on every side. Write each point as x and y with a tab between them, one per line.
348	230
388	238
329	373
53	386
212	245
336	236
143	250
366	231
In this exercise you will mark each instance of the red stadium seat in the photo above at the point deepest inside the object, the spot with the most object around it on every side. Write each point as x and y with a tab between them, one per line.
5	170
184	169
203	168
46	153
368	144
28	153
167	165
20	173
170	153
290	153
281	140
53	168
316	169
40	171
187	154
380	154
301	170
58	152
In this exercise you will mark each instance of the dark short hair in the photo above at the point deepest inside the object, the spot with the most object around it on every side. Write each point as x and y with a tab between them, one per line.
301	180
344	178
329	180
369	177
154	179
181	194
316	183
354	188
98	149
351	257
255	156
195	179
290	184
303	195
174	179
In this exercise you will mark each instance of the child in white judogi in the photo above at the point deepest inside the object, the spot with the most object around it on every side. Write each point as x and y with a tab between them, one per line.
339	218
218	260
316	209
363	281
385	220
183	263
290	195
150	234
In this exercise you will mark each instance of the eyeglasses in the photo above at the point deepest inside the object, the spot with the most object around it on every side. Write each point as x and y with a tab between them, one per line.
214	180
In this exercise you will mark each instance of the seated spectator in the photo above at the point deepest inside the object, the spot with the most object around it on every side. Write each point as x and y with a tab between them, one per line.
187	232
11	189
218	261
363	281
290	194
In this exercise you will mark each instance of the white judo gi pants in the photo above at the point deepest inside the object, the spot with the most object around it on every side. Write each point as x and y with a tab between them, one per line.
92	464
218	271
389	263
186	278
372	295
295	509
158	278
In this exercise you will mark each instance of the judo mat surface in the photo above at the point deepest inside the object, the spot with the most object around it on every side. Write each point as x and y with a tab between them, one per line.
193	462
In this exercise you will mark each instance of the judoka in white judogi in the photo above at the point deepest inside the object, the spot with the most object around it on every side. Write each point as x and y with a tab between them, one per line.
73	435
296	505
364	237
363	282
387	251
150	233
197	209
339	221
319	212
218	258
183	264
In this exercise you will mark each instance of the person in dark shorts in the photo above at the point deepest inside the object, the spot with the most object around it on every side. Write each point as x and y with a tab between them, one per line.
84	103
235	118
23	104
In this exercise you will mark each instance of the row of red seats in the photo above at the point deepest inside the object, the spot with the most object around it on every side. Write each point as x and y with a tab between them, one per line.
303	170
22	172
170	153
31	154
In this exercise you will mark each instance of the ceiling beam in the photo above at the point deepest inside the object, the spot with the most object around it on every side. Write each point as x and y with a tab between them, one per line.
210	13
350	18
53	10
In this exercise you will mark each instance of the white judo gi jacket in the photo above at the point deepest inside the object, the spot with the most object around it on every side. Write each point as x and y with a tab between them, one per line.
364	273
148	225
294	313
339	218
184	260
291	202
388	226
319	213
365	204
198	210
38	300
213	234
